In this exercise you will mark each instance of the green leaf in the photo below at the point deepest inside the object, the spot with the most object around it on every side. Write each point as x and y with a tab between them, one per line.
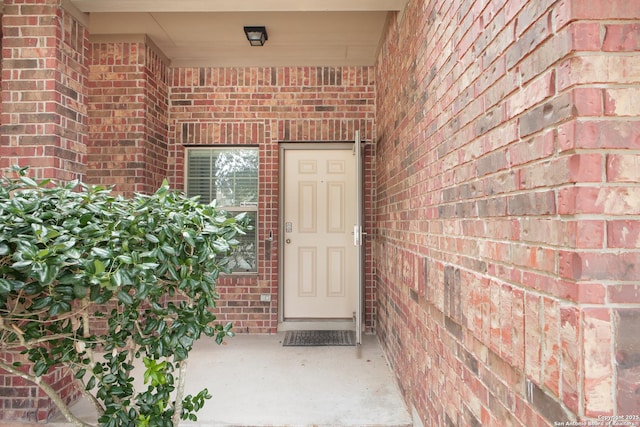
148	265
40	368
65	290
4	249
220	245
39	230
45	273
64	246
30	182
173	274
91	384
168	250
125	259
85	218
109	379
150	326
79	291
56	308
125	298
101	252
26	249
20	265
52	234
100	297
120	278
99	266
33	288
41	303
5	286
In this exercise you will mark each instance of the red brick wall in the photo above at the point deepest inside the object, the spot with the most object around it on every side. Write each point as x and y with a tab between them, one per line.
157	119
128	116
263	107
1	34
44	90
508	251
44	126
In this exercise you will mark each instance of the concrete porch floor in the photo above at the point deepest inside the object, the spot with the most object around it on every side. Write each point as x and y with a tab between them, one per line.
255	381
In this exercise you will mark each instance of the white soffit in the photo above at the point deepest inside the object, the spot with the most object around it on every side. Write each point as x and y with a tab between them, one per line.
201	33
218	39
238	5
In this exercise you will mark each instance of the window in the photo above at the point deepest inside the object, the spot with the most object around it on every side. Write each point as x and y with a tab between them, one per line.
229	176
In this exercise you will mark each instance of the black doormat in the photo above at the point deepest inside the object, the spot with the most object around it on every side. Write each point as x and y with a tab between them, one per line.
318	338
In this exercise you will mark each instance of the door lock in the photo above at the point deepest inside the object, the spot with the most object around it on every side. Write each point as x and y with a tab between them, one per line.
288	241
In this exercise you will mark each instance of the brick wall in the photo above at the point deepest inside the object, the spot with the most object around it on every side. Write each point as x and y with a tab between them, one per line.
1	61
508	147
44	120
44	126
128	113
263	107
21	400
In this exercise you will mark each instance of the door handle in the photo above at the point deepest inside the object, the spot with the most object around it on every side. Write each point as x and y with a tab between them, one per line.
288	241
358	235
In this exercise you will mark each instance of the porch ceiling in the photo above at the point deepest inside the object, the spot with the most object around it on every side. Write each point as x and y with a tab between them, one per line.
210	32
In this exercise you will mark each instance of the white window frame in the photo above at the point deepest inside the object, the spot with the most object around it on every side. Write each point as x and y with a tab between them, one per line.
232	209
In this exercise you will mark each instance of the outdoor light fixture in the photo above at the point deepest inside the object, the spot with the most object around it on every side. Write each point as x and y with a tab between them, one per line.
257	36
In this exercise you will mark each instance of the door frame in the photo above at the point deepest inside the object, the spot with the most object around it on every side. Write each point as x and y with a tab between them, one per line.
326	324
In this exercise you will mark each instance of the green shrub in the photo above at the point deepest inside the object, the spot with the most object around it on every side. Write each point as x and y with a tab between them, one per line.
71	255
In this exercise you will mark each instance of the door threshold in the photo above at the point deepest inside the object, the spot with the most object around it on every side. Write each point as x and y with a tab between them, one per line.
316	325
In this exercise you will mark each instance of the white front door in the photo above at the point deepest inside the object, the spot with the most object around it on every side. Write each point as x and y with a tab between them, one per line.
320	259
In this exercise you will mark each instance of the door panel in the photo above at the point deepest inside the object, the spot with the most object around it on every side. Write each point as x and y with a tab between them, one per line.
319	256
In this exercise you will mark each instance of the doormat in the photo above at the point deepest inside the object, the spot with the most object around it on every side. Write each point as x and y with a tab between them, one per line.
318	338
